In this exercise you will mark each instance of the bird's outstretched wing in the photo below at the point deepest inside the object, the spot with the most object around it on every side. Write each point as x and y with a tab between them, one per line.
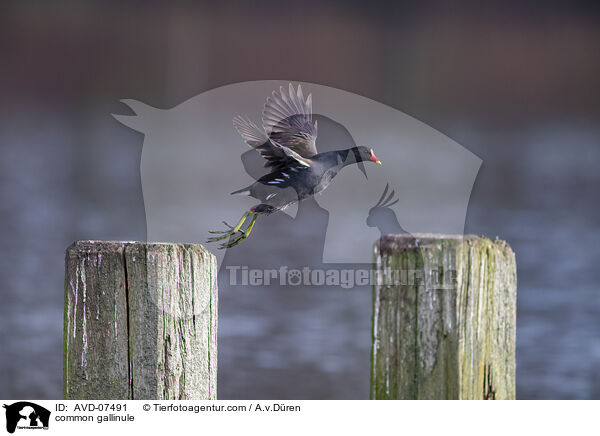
287	121
276	155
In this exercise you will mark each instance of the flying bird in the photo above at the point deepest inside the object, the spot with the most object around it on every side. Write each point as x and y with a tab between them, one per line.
287	142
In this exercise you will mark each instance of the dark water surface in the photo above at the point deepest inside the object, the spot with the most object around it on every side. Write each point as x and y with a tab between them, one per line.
537	189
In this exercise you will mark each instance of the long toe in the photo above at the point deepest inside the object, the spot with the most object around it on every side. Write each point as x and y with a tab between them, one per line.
230	227
220	231
233	241
220	238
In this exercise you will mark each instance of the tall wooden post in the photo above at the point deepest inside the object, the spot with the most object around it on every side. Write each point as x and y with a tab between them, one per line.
444	318
140	321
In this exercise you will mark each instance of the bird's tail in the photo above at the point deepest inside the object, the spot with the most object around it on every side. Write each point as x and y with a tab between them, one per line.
243	191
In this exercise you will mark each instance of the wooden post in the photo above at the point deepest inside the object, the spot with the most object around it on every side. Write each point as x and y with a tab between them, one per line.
140	321
444	318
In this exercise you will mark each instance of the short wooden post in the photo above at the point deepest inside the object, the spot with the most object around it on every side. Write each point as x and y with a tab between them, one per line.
444	318
140	321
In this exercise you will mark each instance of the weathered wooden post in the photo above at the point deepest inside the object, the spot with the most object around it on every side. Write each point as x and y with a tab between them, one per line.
444	318
140	321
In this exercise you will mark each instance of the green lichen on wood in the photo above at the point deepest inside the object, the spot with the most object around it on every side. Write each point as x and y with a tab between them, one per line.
95	322
172	337
448	333
487	318
154	332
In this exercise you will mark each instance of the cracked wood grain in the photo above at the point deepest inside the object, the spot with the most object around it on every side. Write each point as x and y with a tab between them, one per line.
140	321
444	318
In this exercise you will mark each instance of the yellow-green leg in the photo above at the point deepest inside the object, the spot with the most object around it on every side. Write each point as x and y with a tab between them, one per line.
245	233
232	230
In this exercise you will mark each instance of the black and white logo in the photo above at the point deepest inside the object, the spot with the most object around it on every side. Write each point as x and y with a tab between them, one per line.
26	415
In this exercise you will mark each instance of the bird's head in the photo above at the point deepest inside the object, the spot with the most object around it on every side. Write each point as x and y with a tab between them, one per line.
361	154
366	154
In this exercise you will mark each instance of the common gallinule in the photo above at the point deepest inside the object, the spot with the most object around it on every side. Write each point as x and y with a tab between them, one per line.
287	143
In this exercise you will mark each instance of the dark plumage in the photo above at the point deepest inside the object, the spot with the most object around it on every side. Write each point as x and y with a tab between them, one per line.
288	144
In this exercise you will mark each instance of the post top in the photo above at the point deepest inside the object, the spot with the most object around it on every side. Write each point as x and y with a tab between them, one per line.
415	240
107	246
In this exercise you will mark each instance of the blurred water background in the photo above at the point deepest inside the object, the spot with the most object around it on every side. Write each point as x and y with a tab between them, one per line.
517	85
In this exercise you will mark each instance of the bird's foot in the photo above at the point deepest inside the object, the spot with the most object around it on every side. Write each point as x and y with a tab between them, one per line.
243	235
224	234
234	241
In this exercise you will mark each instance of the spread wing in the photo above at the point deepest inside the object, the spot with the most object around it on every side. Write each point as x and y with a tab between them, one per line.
277	156
287	120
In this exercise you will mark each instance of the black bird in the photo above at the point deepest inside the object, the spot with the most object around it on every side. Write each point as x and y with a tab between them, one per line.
298	171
